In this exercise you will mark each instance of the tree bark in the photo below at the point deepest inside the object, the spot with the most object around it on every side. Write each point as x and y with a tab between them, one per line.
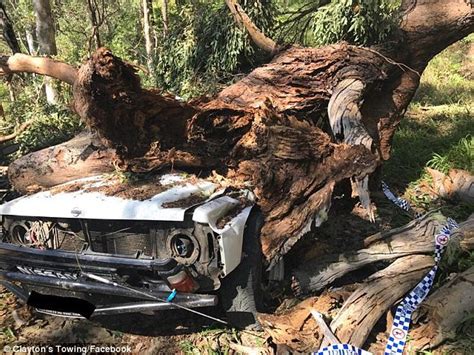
96	21
258	37
456	185
415	237
82	156
444	311
31	41
370	301
272	130
46	41
360	311
363	305
164	16
7	30
22	63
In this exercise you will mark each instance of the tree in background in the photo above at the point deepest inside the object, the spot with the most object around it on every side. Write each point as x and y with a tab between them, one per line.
164	16
150	44
47	42
8	32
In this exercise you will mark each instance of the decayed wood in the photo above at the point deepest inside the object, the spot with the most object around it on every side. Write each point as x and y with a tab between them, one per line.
268	130
467	230
361	308
22	63
365	304
252	145
345	119
444	311
83	156
296	328
417	237
370	301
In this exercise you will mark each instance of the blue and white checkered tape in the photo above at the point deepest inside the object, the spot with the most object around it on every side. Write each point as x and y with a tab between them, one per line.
342	349
401	323
400	202
402	320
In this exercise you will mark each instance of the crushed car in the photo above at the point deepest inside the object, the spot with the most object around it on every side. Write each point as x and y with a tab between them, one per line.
100	246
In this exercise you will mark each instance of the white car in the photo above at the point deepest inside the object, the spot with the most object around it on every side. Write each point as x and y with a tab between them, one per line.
98	246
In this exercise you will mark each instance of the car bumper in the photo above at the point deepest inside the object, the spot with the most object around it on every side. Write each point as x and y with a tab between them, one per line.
105	298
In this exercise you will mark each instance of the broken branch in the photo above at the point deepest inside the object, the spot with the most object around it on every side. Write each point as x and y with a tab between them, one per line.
22	63
13	135
258	37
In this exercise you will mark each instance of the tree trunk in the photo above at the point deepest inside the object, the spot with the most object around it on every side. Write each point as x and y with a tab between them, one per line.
31	41
96	21
82	156
46	41
291	129
7	30
164	16
147	6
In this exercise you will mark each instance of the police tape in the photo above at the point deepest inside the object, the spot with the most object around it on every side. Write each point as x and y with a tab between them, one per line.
402	320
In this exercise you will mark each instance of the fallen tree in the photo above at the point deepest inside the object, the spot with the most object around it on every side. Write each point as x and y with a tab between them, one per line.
415	237
356	309
444	312
291	129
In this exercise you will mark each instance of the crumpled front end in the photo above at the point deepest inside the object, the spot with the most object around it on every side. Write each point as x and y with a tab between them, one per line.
124	261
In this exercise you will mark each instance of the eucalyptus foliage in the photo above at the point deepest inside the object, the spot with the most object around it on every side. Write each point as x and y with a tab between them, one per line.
356	21
319	22
202	50
52	124
205	47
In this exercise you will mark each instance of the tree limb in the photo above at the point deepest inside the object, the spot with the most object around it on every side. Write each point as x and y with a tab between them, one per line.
432	25
415	237
22	63
371	300
258	37
446	309
13	135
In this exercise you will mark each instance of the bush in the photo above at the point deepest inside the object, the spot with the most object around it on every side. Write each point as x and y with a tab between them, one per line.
52	124
362	22
204	47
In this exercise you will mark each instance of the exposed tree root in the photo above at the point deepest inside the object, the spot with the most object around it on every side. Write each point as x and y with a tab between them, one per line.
271	129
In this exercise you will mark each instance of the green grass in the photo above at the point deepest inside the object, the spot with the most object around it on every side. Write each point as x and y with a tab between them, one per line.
438	128
425	132
438	132
448	79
